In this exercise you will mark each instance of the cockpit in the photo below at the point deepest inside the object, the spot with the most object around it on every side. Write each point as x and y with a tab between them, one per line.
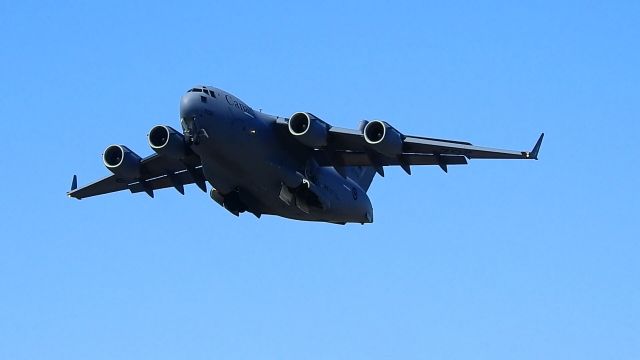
203	90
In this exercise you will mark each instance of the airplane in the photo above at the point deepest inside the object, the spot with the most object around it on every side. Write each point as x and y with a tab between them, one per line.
299	167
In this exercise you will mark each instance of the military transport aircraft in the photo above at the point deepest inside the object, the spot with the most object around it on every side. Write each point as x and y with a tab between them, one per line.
298	167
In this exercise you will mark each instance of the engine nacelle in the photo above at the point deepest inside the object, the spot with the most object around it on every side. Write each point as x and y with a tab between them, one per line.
383	138
166	141
308	129
122	161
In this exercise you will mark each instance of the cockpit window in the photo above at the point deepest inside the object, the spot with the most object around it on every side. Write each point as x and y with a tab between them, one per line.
206	91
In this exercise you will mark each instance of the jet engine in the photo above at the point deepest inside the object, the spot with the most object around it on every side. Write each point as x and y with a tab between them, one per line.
166	141
383	138
122	161
308	129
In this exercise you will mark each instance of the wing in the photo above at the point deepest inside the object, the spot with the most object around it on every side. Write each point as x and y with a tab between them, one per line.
157	172
346	147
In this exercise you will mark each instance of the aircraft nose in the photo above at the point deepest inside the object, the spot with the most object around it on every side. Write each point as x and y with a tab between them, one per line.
192	104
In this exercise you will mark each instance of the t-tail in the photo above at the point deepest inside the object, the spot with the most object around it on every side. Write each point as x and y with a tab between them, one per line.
362	175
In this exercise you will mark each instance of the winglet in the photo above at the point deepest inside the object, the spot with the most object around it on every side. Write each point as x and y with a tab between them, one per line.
74	183
536	148
74	186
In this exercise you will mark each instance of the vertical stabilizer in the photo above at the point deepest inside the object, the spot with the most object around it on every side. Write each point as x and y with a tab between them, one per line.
362	175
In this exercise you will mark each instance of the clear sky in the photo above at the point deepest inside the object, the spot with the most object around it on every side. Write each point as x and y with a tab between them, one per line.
495	260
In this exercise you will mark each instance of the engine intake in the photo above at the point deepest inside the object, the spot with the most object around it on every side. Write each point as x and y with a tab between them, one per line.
383	138
121	161
308	129
166	141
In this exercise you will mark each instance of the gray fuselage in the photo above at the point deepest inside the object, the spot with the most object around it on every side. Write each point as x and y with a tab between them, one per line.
243	154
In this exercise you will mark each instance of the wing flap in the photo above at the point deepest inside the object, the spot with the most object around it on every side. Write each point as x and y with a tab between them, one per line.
348	158
106	185
176	180
347	147
346	139
155	165
157	172
435	146
420	145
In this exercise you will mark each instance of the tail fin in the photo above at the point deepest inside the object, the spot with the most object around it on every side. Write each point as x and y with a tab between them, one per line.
362	175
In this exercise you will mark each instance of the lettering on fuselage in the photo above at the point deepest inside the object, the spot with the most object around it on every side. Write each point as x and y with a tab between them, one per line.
238	105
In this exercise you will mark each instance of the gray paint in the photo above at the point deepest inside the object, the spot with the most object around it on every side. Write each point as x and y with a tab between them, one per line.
257	164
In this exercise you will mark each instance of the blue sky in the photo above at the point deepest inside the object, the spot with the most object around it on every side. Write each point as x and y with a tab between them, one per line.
495	260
